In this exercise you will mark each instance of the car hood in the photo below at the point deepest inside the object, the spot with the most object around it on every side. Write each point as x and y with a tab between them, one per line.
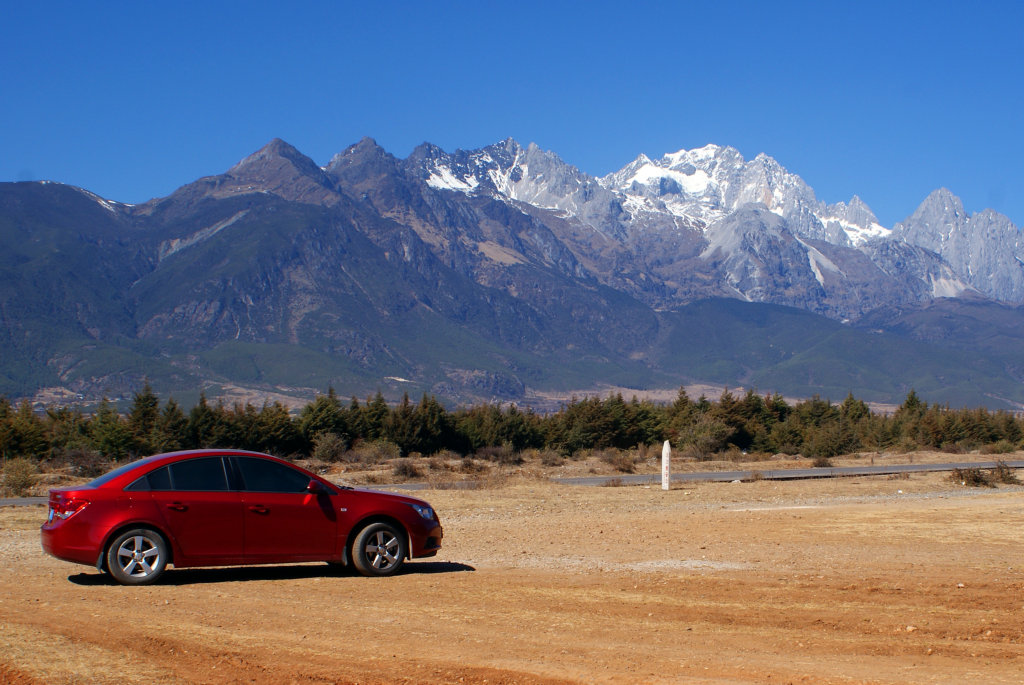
391	495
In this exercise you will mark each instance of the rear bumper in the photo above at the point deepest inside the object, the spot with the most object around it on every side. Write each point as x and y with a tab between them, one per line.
69	542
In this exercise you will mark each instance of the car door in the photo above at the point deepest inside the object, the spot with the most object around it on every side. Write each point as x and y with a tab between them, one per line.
283	521
200	510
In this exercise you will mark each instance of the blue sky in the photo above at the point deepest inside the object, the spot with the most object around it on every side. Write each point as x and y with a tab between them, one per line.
886	100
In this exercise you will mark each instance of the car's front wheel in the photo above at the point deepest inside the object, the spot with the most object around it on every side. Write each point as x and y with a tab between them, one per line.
379	550
137	557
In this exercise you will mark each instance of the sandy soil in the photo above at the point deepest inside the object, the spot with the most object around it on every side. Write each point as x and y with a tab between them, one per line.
866	580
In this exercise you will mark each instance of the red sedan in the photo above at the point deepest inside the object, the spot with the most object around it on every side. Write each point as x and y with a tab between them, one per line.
227	507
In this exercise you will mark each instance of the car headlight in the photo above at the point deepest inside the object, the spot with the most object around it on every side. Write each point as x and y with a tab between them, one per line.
425	512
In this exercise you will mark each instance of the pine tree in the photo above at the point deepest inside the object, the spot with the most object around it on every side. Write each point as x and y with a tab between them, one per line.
171	430
277	431
202	424
374	415
142	420
28	433
323	415
109	434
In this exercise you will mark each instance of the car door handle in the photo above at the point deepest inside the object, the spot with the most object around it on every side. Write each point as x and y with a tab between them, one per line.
177	506
259	509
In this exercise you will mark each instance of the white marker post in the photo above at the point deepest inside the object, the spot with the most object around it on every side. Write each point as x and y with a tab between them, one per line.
666	466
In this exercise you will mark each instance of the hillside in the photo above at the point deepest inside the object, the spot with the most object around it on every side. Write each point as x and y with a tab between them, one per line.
495	274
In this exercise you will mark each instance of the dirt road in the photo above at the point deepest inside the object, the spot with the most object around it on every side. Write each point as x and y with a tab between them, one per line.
866	580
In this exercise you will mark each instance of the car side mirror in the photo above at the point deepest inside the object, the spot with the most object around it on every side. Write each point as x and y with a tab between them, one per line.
316	487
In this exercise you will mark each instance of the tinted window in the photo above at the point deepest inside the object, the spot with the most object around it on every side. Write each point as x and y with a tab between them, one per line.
262	475
157	480
140	484
160	479
197	474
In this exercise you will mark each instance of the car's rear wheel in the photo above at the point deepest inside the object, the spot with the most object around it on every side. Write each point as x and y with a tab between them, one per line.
137	556
379	550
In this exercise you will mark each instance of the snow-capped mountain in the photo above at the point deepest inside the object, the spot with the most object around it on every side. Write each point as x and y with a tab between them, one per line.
482	272
691	219
708	183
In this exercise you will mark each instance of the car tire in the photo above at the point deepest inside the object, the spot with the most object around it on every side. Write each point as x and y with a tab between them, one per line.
379	550
137	556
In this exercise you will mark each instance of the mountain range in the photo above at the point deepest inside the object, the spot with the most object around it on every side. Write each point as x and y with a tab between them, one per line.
501	274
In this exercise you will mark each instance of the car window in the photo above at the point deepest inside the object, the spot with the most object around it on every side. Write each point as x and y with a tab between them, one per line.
206	474
157	480
263	475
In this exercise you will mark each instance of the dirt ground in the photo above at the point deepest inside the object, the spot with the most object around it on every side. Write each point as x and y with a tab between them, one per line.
859	580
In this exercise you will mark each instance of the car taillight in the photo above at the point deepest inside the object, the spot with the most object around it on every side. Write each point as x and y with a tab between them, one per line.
65	509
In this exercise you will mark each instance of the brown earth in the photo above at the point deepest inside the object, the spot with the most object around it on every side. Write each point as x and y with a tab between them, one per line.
860	580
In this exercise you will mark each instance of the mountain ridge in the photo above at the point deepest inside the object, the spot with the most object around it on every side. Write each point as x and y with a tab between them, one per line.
372	267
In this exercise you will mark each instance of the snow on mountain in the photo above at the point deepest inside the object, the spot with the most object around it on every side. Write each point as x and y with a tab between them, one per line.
707	183
529	175
666	212
698	222
444	179
855	220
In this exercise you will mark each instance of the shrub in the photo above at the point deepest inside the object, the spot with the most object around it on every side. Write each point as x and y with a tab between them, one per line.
328	447
19	476
504	455
694	453
374	452
406	468
821	462
971	477
905	445
86	462
999	447
545	457
1004	474
734	454
551	458
613	483
620	460
471	466
446	455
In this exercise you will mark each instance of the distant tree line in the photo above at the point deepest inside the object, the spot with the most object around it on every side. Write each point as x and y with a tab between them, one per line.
329	428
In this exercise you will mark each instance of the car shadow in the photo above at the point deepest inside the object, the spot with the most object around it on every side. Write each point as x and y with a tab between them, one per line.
234	574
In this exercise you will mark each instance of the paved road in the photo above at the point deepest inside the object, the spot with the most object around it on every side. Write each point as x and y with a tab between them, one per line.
787	474
21	501
706	476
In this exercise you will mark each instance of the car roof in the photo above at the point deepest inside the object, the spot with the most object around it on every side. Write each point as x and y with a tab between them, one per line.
128	472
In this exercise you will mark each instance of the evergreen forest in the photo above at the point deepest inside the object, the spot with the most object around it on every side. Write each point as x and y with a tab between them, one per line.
331	429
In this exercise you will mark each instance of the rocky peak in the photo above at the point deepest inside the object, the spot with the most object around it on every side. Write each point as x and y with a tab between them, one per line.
280	169
426	152
985	248
364	168
934	221
270	155
941	207
365	151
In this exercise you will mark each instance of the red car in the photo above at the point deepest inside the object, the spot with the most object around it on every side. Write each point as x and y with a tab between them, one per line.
226	507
